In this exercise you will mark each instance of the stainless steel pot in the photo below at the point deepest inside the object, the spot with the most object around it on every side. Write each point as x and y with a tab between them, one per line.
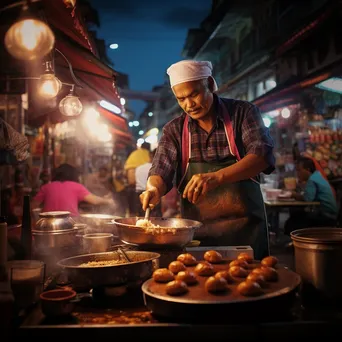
54	221
97	242
174	232
56	229
45	240
318	260
132	274
99	223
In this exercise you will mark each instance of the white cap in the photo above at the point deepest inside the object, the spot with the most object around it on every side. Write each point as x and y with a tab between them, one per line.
188	70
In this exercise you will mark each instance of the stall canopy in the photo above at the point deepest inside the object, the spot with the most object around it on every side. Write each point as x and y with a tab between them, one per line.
75	43
289	93
95	80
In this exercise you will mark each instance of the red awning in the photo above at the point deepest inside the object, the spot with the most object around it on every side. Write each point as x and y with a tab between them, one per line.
118	126
91	72
75	43
116	120
67	19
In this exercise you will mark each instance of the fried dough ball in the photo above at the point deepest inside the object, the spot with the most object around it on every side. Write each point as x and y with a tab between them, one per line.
225	275
246	257
269	273
269	261
258	278
163	275
187	259
188	277
215	284
176	266
249	288
238	271
204	269
176	288
213	256
241	262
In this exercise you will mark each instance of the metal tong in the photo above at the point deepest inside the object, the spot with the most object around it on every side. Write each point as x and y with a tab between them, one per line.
123	253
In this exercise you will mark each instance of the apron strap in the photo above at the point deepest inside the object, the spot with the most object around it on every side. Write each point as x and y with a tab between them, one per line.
228	127
186	145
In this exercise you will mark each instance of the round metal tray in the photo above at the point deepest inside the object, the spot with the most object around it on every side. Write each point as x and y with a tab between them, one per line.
198	304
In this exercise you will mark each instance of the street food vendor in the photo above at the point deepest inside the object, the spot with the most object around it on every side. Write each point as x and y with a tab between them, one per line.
216	149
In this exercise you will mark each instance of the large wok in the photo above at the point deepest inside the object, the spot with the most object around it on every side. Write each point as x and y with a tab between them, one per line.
131	274
181	232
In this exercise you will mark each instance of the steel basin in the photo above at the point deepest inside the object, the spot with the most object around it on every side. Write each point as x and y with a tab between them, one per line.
176	232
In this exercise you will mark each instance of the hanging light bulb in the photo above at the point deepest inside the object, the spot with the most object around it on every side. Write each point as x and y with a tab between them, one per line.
71	104
49	85
29	38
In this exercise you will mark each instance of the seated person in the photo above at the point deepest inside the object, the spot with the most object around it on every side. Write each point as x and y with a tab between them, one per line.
317	189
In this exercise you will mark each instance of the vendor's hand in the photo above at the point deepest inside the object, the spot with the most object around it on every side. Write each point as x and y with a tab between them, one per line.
150	198
200	184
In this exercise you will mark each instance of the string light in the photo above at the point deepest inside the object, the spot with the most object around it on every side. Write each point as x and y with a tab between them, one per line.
49	85
29	38
71	104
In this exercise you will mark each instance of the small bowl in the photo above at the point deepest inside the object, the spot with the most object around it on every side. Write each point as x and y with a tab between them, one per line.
58	302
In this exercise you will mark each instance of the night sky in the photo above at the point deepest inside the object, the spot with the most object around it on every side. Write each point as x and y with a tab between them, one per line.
150	34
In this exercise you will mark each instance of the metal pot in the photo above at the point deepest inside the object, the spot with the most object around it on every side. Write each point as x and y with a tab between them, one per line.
174	232
133	274
99	223
58	238
54	221
97	242
318	260
56	229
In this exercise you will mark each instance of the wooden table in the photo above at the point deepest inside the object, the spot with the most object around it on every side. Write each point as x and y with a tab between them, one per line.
289	204
273	209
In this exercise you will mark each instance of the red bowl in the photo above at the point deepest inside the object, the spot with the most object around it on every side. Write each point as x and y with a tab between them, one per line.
58	302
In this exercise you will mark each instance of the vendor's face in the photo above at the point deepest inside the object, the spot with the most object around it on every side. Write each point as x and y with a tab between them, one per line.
195	97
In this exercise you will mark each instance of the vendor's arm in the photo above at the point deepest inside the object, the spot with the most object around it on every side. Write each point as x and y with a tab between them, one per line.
155	189
164	164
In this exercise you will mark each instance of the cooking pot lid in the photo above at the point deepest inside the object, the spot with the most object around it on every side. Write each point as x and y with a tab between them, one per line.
55	214
318	235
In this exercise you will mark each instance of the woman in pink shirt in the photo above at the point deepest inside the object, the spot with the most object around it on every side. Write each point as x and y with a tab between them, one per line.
65	192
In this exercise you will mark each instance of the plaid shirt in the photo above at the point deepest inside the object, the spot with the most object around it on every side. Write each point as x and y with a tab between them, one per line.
251	137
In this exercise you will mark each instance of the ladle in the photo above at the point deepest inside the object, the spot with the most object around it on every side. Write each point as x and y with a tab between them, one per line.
147	213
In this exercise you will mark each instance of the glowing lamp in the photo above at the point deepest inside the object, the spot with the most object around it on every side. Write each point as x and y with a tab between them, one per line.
29	38
71	105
